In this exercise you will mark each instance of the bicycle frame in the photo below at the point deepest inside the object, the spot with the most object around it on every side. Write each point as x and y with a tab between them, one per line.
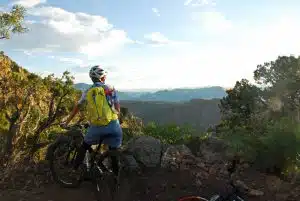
93	154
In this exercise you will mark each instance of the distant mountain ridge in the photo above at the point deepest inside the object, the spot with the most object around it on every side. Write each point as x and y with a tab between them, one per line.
173	95
197	113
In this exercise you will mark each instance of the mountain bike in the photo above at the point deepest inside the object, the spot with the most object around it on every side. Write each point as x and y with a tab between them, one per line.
233	195
96	166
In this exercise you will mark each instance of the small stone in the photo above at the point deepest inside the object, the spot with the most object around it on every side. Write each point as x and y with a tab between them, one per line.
198	182
253	192
246	165
212	171
201	165
241	184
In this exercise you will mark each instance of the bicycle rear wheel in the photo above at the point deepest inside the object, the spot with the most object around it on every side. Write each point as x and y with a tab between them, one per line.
61	159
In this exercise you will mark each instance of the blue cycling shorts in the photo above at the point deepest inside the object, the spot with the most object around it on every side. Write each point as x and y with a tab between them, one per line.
113	130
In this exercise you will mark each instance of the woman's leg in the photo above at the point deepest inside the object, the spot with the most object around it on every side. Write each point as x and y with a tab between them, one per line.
90	138
81	154
115	158
115	142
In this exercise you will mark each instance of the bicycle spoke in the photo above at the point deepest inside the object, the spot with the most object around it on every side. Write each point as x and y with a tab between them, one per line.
63	162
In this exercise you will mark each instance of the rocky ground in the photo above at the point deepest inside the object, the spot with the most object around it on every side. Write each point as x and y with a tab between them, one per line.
160	172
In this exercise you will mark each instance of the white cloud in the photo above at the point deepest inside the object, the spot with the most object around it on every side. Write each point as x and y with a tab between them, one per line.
45	73
29	3
114	39
158	39
81	78
213	60
32	52
28	53
199	3
69	23
267	41
155	11
63	31
73	61
232	57
212	21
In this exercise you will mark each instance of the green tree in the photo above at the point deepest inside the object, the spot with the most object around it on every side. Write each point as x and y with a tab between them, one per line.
57	103
281	79
17	89
240	103
261	121
12	22
30	105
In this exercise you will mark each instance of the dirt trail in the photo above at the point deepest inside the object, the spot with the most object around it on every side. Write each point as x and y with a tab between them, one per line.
47	193
155	185
151	186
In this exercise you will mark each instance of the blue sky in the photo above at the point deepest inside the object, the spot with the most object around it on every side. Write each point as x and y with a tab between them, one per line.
151	44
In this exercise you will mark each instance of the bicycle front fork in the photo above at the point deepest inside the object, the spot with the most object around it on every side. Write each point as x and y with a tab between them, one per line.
87	160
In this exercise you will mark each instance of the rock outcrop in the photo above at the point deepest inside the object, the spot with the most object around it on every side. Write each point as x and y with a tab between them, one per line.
146	150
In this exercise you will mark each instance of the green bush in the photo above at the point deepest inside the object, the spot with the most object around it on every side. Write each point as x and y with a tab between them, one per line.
279	146
168	134
133	128
273	147
194	142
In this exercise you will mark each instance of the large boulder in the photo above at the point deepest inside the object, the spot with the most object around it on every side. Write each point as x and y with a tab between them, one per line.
146	150
213	150
130	163
177	157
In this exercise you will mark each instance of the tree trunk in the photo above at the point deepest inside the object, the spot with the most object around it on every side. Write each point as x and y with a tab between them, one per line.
36	136
12	132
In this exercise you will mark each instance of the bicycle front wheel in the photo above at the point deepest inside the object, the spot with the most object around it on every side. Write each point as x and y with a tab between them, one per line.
61	159
193	198
105	180
105	185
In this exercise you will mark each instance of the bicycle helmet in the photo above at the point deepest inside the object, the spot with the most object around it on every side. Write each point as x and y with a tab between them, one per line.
97	73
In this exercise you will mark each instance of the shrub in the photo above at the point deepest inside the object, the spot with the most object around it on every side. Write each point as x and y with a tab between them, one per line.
273	150
279	146
194	142
169	134
132	127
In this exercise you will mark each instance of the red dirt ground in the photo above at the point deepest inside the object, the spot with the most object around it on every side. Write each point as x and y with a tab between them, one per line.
154	185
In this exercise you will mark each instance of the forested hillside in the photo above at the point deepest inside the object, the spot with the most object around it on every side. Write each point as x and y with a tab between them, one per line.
198	113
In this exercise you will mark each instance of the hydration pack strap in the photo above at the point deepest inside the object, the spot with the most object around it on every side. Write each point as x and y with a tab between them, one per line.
94	98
